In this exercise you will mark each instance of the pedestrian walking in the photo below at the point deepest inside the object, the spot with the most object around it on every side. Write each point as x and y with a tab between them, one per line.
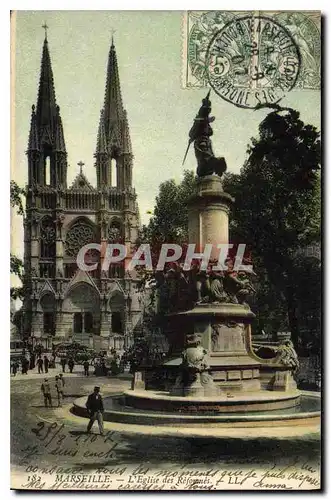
15	367
71	364
62	380
46	364
86	365
63	364
40	365
59	390
46	390
24	366
94	405
39	350
52	362
32	360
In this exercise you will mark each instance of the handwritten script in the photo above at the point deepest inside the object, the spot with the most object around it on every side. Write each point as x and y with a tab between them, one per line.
78	453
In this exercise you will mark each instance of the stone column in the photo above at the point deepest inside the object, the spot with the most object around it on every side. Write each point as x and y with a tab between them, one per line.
59	245
208	220
104	219
59	323
35	243
220	323
36	326
104	323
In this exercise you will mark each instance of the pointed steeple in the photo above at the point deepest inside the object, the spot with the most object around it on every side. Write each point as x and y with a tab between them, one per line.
127	147
46	137
113	106
59	136
101	140
46	103
113	141
33	144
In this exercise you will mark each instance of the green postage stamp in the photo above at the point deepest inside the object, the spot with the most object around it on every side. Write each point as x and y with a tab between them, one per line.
250	58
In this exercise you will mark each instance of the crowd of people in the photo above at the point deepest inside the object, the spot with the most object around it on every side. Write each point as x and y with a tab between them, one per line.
103	363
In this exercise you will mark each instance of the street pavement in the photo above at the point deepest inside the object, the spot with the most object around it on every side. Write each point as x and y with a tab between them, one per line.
46	437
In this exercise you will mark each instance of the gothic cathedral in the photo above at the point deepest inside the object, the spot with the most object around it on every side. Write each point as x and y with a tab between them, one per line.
62	302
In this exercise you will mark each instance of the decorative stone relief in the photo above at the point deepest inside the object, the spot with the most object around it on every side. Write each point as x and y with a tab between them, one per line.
79	235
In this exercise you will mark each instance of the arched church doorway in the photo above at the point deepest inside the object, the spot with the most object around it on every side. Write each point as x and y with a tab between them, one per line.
83	322
82	307
48	306
117	308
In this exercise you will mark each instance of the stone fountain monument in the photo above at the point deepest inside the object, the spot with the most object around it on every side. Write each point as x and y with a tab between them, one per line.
211	373
211	360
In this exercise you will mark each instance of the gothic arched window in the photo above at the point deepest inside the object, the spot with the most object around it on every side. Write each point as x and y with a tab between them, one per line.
114	232
114	173
48	238
81	233
47	171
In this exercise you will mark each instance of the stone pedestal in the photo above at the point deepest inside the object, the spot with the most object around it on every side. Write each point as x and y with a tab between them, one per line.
224	332
104	323
138	381
223	327
208	213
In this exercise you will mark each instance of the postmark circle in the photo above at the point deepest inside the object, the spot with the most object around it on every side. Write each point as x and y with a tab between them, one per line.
252	60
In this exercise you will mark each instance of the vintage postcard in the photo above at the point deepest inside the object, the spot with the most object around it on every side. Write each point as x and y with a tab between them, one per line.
166	250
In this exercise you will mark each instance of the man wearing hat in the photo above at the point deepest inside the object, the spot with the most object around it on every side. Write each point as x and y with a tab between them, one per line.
46	390
94	405
59	390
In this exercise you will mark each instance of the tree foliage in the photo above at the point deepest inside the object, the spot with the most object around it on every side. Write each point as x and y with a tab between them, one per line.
17	195
276	214
170	218
277	209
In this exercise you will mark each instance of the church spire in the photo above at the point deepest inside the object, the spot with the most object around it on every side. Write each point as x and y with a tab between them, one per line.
46	152
59	135
113	135
33	144
113	106
46	102
101	140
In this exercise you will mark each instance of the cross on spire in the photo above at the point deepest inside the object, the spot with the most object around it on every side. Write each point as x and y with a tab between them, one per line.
113	31
81	165
45	28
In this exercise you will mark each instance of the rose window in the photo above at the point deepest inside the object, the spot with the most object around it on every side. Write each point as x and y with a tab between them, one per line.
78	236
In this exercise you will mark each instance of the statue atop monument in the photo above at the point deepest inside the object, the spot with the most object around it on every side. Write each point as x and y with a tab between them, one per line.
200	134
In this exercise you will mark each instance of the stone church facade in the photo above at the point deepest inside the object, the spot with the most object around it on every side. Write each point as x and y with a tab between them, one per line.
62	302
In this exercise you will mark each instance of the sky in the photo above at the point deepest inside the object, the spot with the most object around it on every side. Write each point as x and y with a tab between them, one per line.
149	46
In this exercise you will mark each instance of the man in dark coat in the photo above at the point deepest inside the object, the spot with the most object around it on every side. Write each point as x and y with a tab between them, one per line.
40	365
94	405
32	360
15	367
86	365
24	365
46	364
71	364
63	364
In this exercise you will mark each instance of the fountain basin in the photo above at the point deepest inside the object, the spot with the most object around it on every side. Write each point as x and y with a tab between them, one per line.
302	418
226	403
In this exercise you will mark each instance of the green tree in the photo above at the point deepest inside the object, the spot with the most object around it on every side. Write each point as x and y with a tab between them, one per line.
170	217
276	214
17	195
277	209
